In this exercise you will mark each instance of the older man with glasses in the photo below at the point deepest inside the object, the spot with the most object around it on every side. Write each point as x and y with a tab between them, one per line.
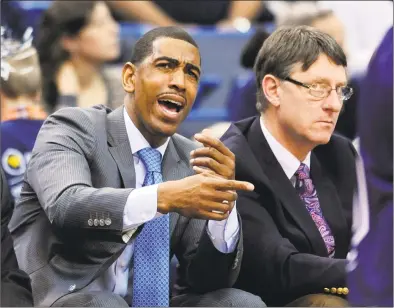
297	221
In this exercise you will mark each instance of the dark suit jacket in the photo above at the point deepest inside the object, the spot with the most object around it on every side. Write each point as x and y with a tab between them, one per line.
284	254
81	168
15	284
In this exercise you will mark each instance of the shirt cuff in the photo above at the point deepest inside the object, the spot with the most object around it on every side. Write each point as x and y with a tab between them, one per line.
141	207
225	234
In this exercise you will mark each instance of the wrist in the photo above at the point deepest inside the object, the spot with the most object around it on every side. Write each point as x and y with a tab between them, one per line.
164	205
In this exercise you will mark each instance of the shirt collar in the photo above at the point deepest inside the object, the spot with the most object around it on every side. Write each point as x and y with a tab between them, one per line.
137	140
287	160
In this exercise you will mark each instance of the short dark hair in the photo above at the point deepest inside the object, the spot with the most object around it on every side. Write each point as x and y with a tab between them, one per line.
288	46
144	45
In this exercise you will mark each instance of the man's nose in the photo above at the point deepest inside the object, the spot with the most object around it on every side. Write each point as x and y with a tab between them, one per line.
333	101
178	79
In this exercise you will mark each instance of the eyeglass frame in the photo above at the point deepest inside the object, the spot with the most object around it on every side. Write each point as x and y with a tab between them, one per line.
308	86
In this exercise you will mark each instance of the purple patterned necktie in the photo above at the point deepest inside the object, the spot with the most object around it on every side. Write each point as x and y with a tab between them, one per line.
308	194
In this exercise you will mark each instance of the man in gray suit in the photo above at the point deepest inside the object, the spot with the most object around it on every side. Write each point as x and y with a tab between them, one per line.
98	178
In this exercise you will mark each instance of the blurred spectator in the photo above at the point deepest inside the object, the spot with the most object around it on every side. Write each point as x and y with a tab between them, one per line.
12	18
21	112
20	79
365	24
282	9
325	21
241	101
371	257
225	13
75	38
15	284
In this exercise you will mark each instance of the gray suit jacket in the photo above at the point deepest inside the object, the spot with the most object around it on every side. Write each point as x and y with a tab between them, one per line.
82	168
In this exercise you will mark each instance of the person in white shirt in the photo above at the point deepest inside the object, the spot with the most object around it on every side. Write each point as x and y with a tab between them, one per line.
297	221
111	196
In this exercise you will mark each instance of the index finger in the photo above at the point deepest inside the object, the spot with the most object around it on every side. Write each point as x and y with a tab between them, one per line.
209	141
223	184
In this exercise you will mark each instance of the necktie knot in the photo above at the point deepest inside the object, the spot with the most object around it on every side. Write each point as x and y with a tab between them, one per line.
303	172
151	159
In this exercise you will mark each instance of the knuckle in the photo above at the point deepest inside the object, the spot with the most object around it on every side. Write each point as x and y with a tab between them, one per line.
228	173
215	142
204	178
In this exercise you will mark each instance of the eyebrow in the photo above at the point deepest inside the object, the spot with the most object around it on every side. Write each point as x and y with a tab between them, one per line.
176	62
325	80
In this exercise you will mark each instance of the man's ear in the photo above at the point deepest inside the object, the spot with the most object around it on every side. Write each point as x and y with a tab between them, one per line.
270	85
128	77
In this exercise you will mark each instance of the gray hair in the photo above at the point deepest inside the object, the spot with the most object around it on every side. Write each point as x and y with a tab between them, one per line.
286	47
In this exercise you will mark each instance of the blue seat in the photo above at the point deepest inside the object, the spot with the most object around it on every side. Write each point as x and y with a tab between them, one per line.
208	84
32	11
17	141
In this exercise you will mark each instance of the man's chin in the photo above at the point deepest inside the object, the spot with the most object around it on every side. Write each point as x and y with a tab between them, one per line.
166	129
322	139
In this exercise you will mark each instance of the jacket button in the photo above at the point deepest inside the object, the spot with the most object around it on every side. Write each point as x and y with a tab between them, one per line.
72	287
95	222
90	222
108	221
101	222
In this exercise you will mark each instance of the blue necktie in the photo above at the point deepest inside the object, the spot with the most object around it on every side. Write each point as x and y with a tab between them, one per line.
152	258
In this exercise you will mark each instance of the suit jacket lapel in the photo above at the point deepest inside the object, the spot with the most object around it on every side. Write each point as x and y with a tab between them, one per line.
174	168
120	147
283	189
330	205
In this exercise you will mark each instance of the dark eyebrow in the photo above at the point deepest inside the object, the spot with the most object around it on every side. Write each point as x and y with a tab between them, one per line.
168	59
176	62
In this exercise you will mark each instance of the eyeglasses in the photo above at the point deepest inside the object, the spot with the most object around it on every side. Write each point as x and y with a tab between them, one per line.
321	90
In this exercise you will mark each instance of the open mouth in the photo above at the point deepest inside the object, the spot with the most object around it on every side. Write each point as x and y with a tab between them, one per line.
170	105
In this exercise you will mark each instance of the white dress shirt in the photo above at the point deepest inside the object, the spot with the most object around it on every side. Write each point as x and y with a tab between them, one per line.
287	160
141	207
